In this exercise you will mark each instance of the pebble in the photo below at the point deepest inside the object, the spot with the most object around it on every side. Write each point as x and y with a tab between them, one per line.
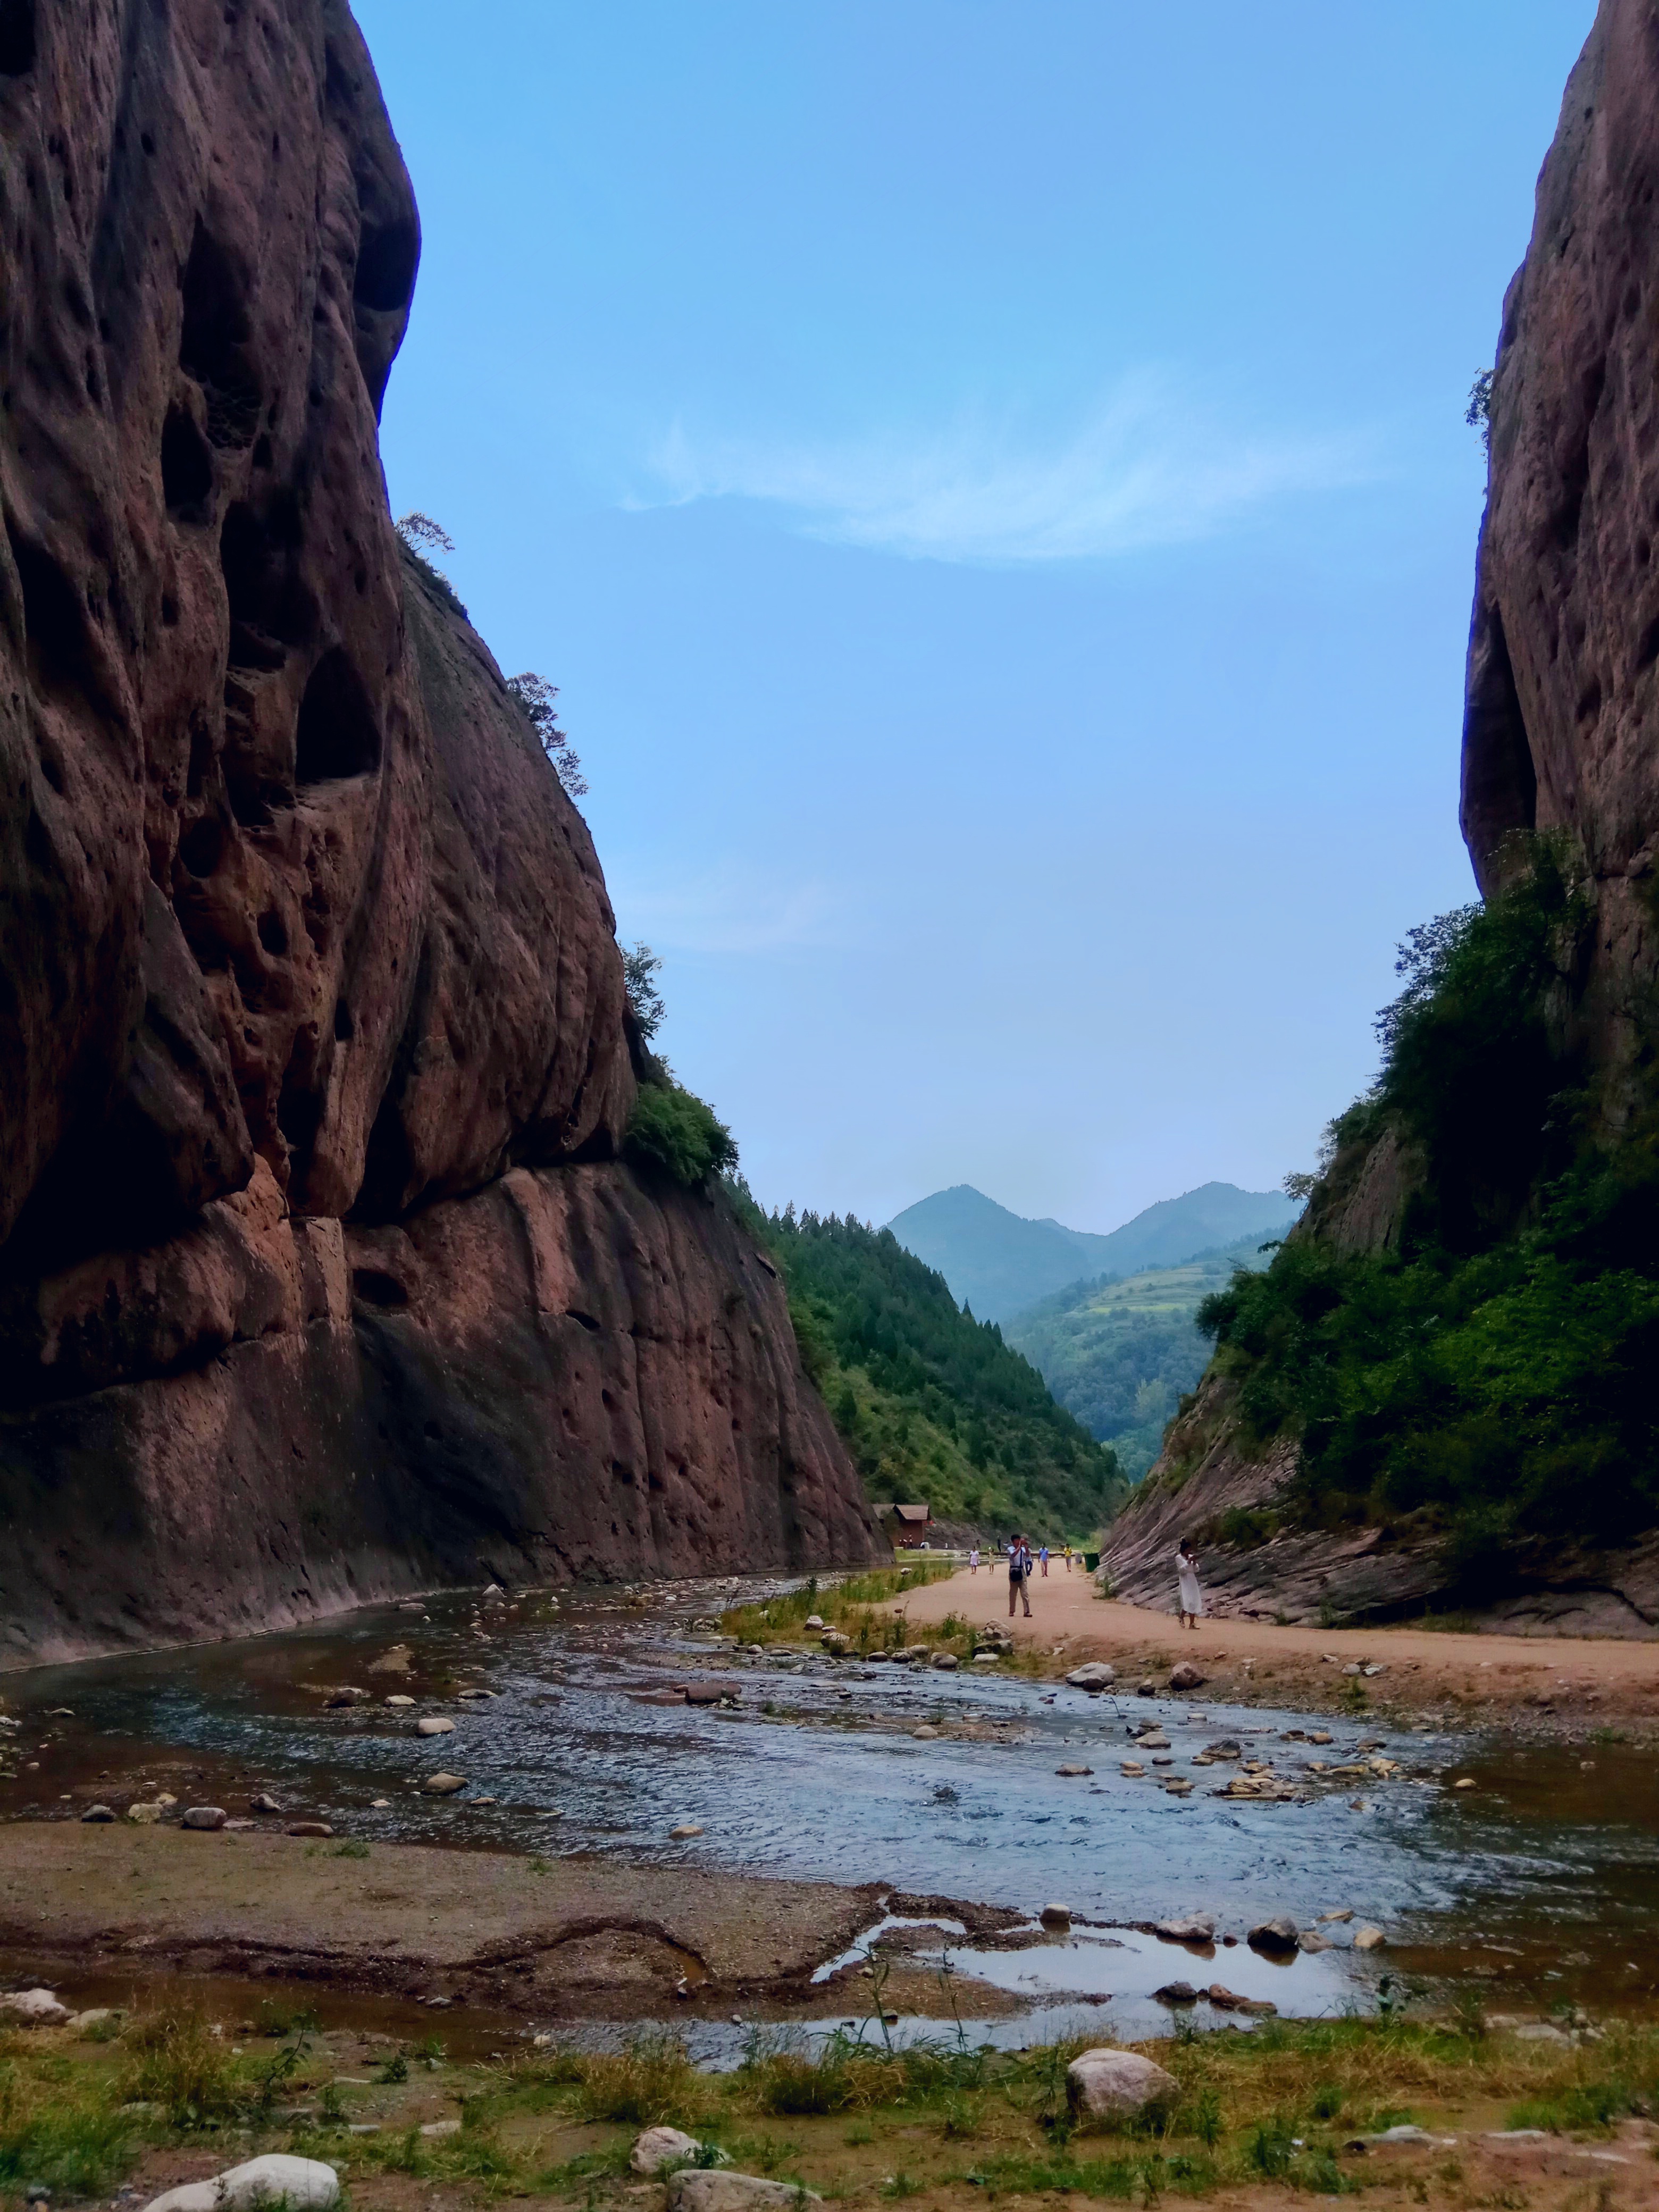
684	1832
1464	1782
432	1724
402	1699
1369	1939
443	1785
1073	1770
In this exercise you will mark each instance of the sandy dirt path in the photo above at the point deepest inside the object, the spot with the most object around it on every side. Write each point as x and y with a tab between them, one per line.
1588	1682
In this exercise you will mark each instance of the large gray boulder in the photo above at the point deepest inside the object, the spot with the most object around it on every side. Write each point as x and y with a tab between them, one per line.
1106	2084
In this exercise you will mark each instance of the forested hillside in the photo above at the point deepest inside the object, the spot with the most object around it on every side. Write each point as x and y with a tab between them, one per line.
932	1404
1122	1351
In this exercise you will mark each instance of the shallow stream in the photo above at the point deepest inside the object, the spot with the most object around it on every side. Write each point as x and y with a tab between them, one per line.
1541	1882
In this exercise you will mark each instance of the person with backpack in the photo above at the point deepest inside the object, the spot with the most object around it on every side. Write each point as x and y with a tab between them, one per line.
1019	1575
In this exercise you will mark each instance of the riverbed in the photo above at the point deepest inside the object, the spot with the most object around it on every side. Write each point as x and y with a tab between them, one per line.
1538	1883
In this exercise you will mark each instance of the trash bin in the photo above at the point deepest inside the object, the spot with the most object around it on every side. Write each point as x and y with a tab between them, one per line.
1090	1561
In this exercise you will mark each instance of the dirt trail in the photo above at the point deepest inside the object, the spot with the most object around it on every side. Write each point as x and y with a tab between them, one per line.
1598	1682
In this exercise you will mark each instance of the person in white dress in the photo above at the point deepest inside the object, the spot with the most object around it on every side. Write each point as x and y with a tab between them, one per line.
973	1560
1192	1597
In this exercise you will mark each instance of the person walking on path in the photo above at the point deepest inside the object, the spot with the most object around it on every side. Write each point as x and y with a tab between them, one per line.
1192	1597
1068	1558
1043	1555
1019	1575
973	1560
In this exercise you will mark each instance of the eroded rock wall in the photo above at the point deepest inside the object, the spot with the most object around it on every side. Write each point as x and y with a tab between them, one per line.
308	978
1560	733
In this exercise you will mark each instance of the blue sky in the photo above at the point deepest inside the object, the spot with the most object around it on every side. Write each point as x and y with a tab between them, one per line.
990	481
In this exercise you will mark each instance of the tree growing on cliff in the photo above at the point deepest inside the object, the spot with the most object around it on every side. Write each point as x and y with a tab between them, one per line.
640	968
422	535
536	696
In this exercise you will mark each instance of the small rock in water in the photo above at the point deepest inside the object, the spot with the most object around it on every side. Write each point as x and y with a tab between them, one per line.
309	1828
1132	1767
1464	1782
1146	1689
925	1735
379	1804
401	1699
1369	1939
265	1803
345	1695
1311	1940
1226	2000
1344	1913
1174	1993
946	1661
443	1785
1073	1770
433	1724
1094	1675
1055	1916
684	1832
1188	1927
98	1815
1279	1934
205	1817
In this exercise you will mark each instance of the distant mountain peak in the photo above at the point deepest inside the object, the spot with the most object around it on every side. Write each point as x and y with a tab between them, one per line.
1001	1263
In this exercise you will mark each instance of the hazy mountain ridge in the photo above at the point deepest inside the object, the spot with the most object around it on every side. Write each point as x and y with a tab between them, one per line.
1121	1352
1000	1264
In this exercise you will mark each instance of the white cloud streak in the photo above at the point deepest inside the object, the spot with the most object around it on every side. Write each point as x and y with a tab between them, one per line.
726	909
1149	466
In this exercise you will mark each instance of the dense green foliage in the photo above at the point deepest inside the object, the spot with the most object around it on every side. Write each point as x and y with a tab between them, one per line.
1493	1375
1119	1352
933	1405
673	1129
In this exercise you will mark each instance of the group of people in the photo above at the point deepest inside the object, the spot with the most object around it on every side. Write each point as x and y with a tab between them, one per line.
1022	1561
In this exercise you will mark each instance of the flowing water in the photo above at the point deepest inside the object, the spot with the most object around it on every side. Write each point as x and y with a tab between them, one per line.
1540	1883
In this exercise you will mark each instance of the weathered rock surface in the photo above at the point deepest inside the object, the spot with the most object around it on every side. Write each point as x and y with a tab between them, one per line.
319	1274
1108	2084
1562	690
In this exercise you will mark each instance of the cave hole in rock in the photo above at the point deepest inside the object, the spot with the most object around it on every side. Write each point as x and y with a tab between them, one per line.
212	341
203	847
273	932
16	37
54	619
270	606
375	1287
585	1320
338	736
387	254
344	1028
187	467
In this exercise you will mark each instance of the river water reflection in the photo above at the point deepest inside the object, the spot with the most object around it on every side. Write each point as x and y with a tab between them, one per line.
1542	1881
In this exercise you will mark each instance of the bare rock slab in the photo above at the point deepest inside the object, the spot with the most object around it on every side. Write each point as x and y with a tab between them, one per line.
302	2184
695	2189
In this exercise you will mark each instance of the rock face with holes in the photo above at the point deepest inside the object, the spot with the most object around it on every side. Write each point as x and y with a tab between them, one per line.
311	1017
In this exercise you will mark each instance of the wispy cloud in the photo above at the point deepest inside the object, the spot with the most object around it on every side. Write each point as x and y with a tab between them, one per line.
1151	465
729	909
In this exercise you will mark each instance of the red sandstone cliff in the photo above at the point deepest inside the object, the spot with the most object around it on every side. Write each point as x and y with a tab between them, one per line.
1561	732
320	1274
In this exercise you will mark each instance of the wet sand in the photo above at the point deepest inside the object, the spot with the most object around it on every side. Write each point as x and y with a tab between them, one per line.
569	1938
1438	1673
